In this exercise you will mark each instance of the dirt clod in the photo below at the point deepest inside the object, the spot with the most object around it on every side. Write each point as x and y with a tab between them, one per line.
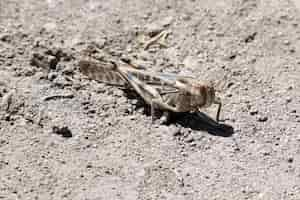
44	61
63	131
290	160
262	118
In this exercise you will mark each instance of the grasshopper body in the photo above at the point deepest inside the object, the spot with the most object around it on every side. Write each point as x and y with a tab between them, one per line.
168	92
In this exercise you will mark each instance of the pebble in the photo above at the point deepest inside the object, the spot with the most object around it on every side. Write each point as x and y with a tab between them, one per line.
118	93
186	17
290	160
175	131
189	138
48	27
262	118
286	42
166	21
193	144
61	82
100	43
198	137
230	84
229	95
253	112
266	152
52	75
99	88
211	27
63	131
89	166
44	61
5	37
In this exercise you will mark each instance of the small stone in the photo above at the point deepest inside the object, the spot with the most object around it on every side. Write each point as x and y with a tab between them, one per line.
232	56
64	131
294	111
262	118
292	50
211	27
10	55
236	149
184	154
253	112
251	37
186	17
61	82
100	43
266	153
48	27
89	166
68	70
77	86
193	144
189	138
52	75
166	21
279	33
288	99
286	42
290	160
230	84
5	37
229	95
118	21
134	101
176	131
44	61
118	93
220	34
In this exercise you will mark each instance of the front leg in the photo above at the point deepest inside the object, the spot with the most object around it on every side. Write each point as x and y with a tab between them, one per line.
166	115
153	107
219	103
166	108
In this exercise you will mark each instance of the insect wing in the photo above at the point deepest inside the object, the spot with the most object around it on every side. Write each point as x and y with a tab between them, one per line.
146	91
102	72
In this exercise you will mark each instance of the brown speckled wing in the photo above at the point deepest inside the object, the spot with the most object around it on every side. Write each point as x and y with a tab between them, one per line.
102	72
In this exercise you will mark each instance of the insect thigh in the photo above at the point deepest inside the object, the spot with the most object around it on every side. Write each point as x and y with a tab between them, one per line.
104	73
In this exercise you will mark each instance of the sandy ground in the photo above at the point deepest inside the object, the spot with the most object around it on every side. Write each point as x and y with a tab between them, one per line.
63	136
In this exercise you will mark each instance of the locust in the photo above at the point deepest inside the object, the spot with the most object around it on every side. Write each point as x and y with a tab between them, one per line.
164	91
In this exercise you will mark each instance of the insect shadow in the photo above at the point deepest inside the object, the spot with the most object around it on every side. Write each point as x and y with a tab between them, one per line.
196	121
202	122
